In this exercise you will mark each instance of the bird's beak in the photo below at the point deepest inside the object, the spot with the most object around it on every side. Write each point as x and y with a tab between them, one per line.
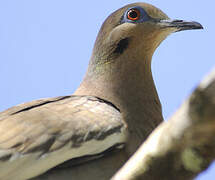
180	25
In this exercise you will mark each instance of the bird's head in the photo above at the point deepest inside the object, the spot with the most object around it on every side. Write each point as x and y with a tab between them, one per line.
135	29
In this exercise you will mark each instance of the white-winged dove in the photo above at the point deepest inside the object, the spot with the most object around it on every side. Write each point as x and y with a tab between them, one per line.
107	118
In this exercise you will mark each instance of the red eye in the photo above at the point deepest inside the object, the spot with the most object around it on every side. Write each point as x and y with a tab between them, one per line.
133	14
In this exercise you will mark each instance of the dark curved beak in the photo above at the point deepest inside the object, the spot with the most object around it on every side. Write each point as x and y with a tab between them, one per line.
180	25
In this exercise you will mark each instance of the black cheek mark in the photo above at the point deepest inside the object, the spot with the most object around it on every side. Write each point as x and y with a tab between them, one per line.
113	51
121	46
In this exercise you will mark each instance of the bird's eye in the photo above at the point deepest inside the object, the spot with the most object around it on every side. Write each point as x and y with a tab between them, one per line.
133	14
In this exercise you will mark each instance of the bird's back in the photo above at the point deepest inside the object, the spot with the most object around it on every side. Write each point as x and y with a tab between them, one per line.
37	136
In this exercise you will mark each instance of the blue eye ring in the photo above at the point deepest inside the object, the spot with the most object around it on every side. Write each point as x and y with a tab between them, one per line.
139	15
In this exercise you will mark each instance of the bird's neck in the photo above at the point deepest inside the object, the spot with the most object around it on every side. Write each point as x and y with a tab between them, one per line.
131	88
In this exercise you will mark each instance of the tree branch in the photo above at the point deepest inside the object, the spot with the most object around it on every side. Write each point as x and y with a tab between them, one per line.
181	147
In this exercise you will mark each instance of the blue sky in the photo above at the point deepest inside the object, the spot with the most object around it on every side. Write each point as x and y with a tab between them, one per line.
45	46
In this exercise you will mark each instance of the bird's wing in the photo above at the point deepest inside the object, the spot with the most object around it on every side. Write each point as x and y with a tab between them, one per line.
39	135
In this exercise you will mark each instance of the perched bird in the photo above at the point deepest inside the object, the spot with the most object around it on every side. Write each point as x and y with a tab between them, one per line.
107	118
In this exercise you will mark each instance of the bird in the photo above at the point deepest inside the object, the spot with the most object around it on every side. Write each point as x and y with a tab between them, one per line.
93	132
